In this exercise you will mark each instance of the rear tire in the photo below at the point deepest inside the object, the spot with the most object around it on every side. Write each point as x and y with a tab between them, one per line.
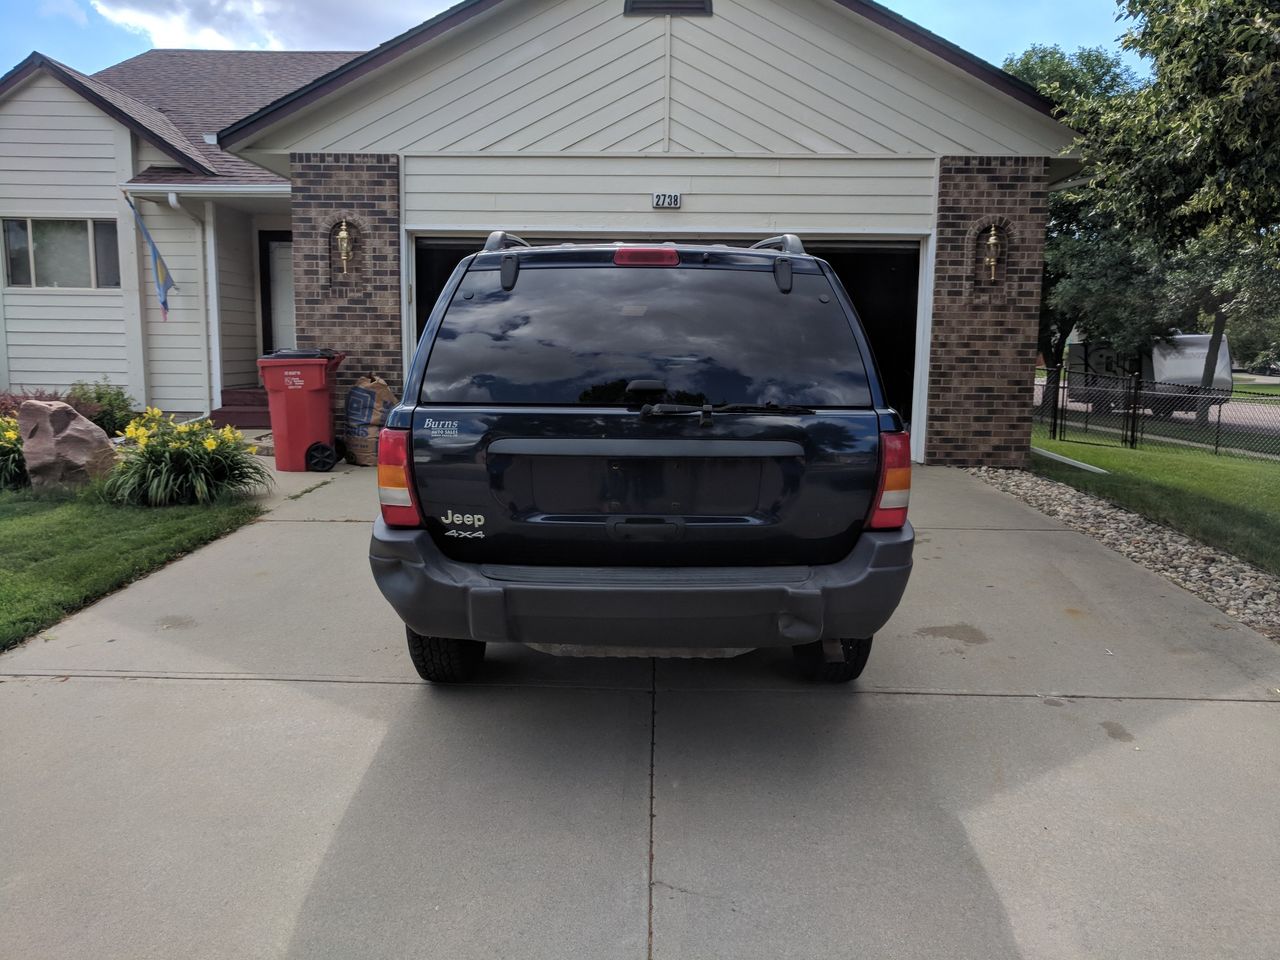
445	660
814	665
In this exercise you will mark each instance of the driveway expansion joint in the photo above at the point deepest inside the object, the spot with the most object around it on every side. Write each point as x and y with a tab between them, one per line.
933	527
270	519
653	739
653	689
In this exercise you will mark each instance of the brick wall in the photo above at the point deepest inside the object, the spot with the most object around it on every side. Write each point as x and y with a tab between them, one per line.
982	366
357	312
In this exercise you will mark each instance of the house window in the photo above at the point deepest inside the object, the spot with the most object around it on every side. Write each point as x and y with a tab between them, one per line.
61	253
663	8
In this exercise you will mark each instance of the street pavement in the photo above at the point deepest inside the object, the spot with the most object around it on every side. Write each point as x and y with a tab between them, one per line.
1053	754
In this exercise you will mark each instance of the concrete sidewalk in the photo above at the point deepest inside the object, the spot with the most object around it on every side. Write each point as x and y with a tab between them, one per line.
1053	753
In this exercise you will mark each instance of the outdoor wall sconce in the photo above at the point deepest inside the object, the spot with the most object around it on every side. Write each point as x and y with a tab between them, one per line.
993	251
345	245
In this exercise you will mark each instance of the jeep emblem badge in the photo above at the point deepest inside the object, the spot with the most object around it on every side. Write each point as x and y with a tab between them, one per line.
463	519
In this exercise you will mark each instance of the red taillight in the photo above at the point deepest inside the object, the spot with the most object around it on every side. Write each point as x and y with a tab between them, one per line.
395	480
893	492
647	257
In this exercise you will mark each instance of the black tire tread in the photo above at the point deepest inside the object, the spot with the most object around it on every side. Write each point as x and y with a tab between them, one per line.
814	666
444	660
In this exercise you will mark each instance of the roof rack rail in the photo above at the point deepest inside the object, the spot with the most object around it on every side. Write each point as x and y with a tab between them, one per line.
787	243
500	240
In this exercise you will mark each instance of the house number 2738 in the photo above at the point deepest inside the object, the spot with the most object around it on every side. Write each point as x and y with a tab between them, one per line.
666	201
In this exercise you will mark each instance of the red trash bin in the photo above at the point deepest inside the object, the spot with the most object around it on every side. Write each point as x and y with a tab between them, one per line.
300	394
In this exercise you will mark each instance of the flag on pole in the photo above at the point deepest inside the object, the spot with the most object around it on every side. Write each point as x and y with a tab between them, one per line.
163	278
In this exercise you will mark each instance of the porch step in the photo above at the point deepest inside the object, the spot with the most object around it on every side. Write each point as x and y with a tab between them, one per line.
243	407
241	416
244	397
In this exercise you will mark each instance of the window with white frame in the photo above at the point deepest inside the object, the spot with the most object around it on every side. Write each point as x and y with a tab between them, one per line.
61	253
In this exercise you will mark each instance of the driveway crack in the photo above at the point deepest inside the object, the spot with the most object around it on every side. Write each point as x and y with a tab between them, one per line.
653	729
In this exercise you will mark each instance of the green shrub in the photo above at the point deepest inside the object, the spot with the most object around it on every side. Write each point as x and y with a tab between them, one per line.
172	463
104	403
13	467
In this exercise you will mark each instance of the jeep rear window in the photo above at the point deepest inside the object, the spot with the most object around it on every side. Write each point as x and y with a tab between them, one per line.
578	335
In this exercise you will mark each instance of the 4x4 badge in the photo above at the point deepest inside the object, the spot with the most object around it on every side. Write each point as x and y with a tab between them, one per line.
470	534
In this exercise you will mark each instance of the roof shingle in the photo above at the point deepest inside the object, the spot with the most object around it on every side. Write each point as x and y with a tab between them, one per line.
196	92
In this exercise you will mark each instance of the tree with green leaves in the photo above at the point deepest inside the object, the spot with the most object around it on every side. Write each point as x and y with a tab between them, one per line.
1198	147
1191	159
1097	279
1213	284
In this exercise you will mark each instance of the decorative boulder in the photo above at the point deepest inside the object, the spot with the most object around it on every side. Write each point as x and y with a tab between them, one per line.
62	448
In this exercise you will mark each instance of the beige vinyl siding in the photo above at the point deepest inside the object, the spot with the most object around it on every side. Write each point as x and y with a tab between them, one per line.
57	154
852	87
147	155
720	195
58	159
56	337
237	300
177	361
554	76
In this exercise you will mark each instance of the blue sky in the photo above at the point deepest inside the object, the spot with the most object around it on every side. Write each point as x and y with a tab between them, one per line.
92	34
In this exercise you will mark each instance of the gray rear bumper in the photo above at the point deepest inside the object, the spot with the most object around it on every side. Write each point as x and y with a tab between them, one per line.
641	606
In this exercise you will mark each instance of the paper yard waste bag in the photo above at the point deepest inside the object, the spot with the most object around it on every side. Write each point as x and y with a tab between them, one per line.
368	404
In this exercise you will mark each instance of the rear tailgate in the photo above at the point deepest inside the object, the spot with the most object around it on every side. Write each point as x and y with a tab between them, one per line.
604	486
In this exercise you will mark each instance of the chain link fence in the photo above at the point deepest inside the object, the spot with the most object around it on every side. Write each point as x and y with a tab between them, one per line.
1131	412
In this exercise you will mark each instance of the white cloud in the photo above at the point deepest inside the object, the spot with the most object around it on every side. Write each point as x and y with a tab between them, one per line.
266	24
64	8
236	24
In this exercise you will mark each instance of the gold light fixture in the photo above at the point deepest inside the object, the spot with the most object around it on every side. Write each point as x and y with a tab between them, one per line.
993	250
344	245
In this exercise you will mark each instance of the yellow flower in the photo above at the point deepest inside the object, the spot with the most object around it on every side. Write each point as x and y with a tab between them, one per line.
210	443
252	450
11	434
142	440
184	427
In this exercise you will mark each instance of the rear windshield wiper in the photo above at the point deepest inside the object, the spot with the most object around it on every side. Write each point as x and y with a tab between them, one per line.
707	410
778	408
670	409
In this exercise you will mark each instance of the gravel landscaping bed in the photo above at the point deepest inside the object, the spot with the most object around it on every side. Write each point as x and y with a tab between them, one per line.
1238	589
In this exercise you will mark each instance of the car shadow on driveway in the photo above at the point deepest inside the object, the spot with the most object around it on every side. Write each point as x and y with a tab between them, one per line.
513	819
504	819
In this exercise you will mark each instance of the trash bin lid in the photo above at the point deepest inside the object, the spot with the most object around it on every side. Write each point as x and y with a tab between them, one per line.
295	354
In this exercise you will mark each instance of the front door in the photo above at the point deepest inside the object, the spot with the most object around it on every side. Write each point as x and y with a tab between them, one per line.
280	257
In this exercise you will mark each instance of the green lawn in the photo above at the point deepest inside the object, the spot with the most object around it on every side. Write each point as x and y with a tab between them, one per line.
1107	426
1268	389
1226	502
59	555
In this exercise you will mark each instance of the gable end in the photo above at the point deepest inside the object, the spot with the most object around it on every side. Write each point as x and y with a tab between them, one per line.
38	63
392	51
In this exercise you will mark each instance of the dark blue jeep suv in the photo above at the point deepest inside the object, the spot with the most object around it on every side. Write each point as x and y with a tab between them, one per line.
643	450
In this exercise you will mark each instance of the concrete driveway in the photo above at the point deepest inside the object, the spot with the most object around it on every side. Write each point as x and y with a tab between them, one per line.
1053	754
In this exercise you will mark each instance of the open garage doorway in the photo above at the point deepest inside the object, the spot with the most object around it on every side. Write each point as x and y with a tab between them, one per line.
434	262
883	279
